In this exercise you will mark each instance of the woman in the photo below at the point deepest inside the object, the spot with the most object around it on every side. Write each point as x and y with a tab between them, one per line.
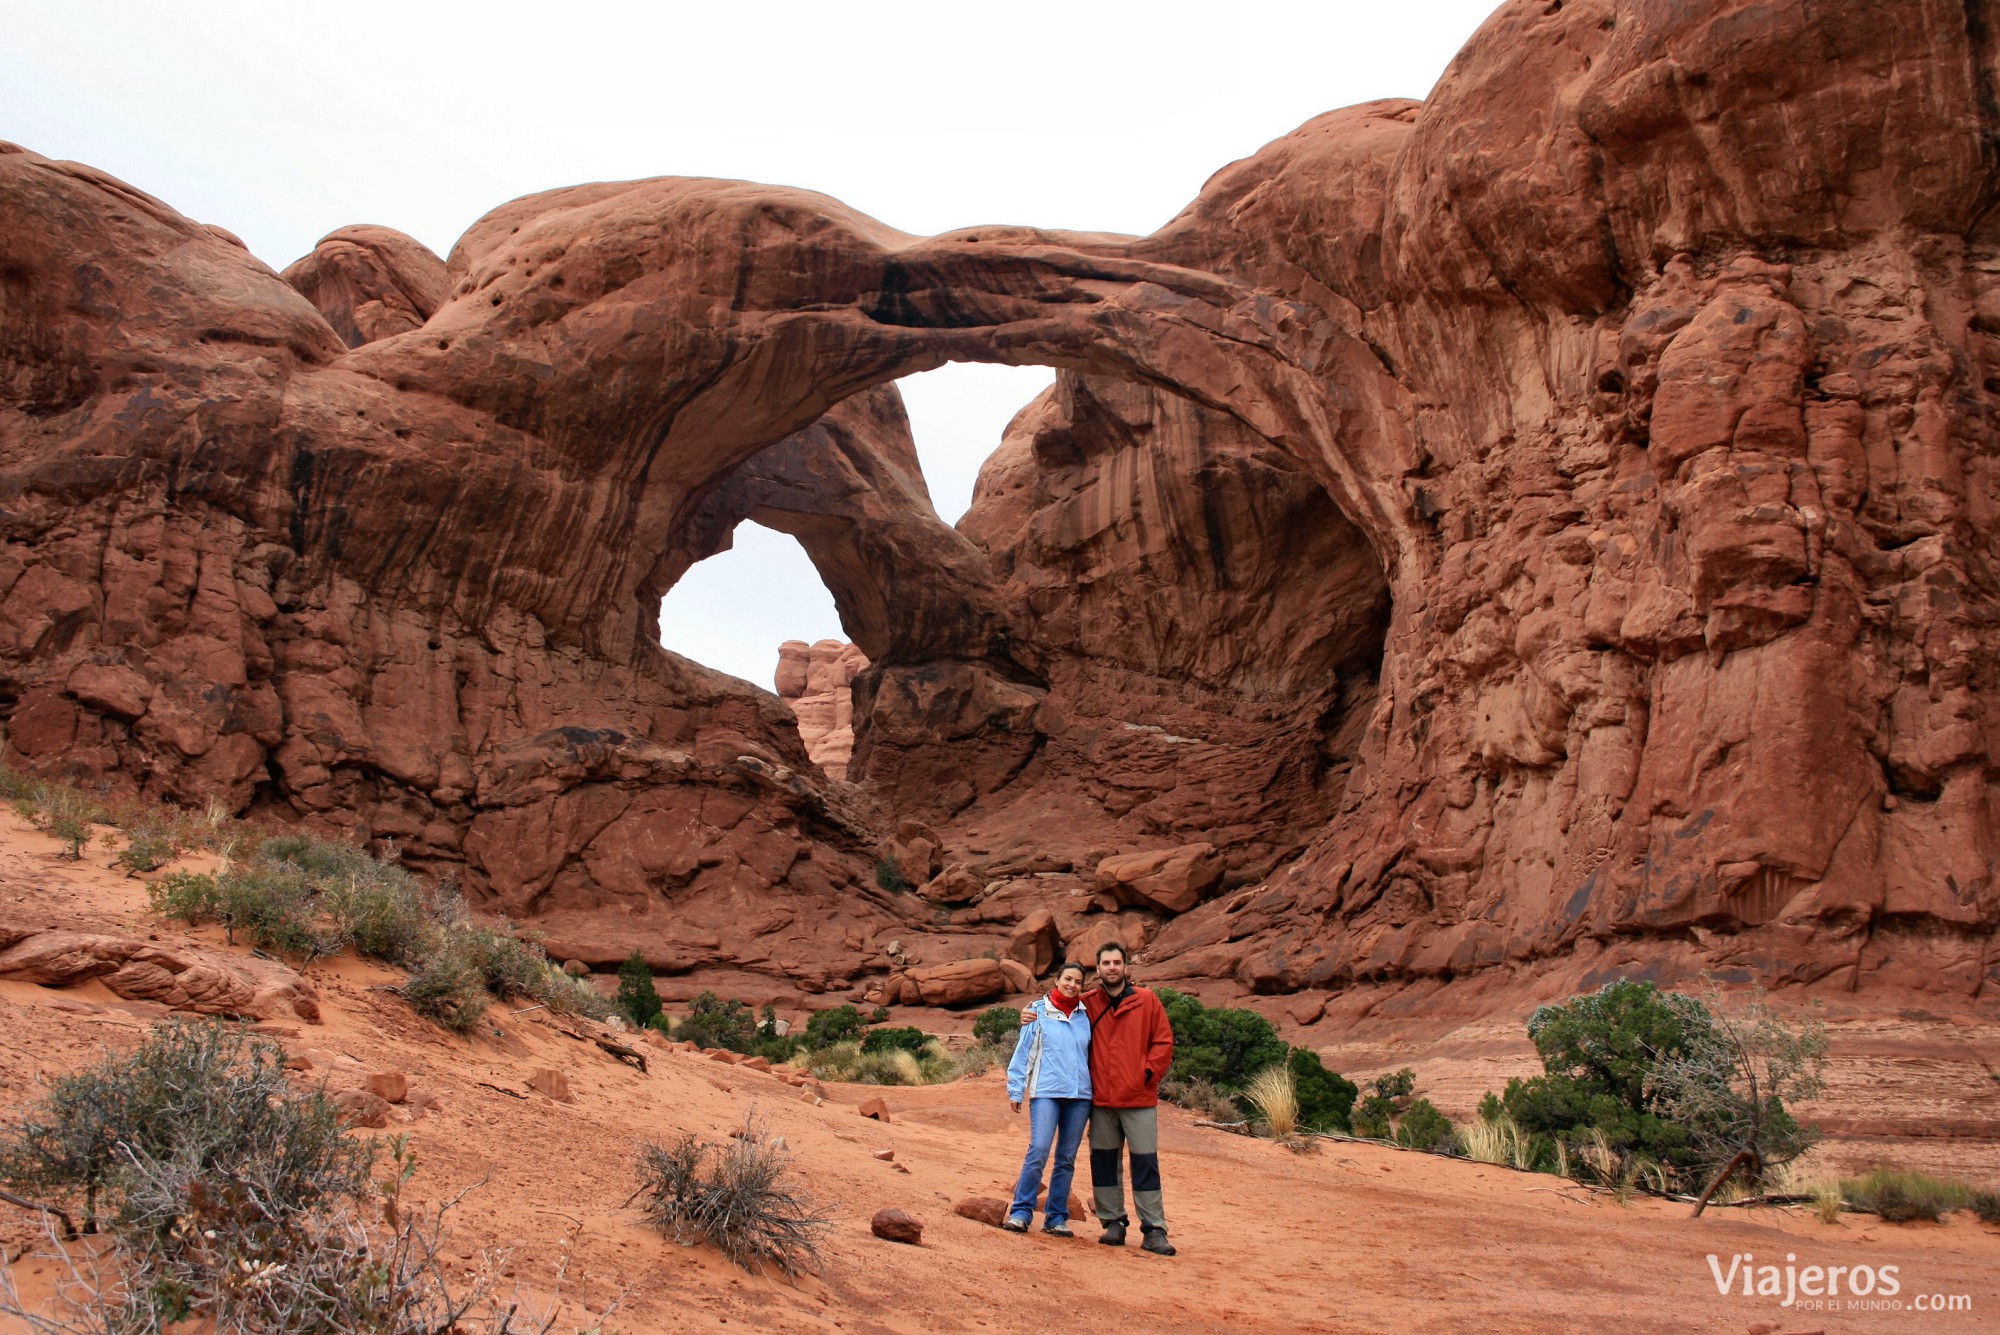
1051	1073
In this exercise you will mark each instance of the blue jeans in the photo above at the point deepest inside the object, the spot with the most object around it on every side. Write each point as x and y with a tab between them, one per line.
1056	1123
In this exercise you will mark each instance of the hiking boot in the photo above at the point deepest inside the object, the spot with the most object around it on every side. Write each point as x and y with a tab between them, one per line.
1016	1223
1156	1242
1114	1234
1060	1229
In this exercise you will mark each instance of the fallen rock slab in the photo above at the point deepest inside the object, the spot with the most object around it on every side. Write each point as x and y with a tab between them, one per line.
984	1209
1172	880
182	978
551	1084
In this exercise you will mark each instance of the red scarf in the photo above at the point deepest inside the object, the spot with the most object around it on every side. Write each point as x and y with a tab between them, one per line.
1067	1005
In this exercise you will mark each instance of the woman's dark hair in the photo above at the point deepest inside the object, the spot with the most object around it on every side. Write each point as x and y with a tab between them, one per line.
1071	964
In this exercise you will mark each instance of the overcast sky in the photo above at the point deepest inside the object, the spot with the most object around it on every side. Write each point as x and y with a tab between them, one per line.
283	122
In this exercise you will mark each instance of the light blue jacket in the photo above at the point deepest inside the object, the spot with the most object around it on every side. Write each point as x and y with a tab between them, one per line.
1052	1055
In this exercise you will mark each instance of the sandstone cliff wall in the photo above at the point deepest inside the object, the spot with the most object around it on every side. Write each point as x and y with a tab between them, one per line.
1549	520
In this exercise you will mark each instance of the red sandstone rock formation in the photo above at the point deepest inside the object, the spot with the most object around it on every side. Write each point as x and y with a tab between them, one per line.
815	680
1554	513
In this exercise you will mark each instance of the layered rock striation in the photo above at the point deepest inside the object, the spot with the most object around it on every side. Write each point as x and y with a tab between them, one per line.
1555	516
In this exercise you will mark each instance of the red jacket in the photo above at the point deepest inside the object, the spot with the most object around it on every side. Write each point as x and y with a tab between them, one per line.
1131	1047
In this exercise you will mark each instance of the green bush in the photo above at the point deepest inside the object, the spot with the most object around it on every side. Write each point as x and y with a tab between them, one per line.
637	996
825	1028
1326	1099
882	1040
1986	1205
714	1023
889	875
998	1026
1222	1045
1423	1127
1599	1052
1388	1098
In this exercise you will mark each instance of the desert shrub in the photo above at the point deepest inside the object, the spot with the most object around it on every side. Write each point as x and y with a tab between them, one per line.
449	987
1326	1098
66	813
1222	1045
714	1023
778	1049
1423	1127
1387	1099
887	1066
1986	1205
738	1196
150	843
1600	1052
1728	1087
908	1039
236	1203
1828	1201
998	1026
1202	1097
825	1028
879	1015
889	875
207	1097
1900	1196
16	786
637	996
890	1066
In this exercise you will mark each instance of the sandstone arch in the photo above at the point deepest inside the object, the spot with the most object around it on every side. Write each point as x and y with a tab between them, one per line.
1653	365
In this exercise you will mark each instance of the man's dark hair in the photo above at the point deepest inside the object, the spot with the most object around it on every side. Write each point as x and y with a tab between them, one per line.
1071	964
1110	945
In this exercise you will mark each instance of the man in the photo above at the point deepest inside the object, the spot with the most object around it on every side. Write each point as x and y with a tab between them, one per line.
1131	1047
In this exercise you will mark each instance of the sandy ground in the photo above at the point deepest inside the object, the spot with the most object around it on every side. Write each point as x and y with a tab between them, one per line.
1355	1237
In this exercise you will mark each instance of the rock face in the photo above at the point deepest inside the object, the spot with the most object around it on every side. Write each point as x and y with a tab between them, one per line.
816	680
1555	514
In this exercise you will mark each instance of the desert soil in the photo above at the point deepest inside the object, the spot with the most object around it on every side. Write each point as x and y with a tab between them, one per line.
1354	1237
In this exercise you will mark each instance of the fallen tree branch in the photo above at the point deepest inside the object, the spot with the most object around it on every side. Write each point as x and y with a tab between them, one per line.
500	1089
1240	1128
69	1225
629	1055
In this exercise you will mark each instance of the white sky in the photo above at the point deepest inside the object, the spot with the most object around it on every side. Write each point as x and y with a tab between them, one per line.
285	121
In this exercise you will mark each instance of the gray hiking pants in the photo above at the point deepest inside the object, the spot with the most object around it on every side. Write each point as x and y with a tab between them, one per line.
1111	1130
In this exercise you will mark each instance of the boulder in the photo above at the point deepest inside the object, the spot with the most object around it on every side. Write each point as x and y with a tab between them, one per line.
916	850
956	884
1019	978
896	1226
962	982
359	1107
873	1107
1035	942
389	1086
1172	880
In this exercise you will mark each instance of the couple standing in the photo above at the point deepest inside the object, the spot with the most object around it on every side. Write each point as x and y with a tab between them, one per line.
1095	1057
